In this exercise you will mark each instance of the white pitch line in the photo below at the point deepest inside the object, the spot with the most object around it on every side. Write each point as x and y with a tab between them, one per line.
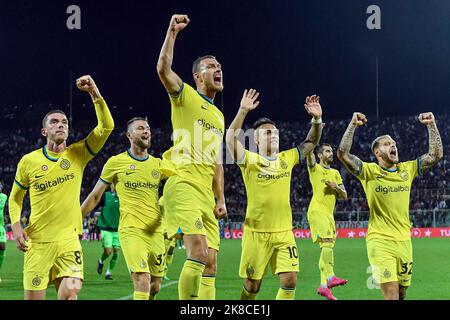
164	285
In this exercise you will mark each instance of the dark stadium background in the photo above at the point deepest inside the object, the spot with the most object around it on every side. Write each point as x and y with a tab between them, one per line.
285	49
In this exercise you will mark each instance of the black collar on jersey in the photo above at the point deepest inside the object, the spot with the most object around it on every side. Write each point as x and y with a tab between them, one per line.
136	158
47	155
206	98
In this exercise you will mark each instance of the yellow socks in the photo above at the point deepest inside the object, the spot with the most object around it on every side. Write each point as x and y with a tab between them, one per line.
207	288
137	295
326	263
245	295
286	294
190	278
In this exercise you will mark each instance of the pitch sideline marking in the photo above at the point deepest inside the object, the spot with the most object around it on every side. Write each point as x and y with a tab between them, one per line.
164	285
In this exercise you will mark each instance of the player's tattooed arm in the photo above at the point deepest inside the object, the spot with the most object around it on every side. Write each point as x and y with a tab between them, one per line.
350	161
249	102
311	159
435	148
171	81
314	109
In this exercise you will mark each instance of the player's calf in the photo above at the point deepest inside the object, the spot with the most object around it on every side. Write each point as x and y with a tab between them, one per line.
390	290
402	292
141	281
69	288
155	286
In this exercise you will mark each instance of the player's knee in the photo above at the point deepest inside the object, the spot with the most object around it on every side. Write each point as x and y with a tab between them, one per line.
199	253
141	281
289	283
391	294
252	286
73	294
288	280
108	251
211	265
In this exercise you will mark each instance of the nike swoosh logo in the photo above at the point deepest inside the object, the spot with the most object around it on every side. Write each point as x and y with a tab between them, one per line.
128	173
295	264
37	177
204	108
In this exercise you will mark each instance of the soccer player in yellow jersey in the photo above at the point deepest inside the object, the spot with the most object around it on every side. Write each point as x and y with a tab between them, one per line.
53	175
268	237
387	185
136	176
327	185
193	166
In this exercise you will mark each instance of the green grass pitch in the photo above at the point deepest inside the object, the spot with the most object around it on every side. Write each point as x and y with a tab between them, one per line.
430	273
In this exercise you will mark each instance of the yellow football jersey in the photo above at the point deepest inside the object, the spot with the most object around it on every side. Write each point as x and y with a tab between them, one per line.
161	208
198	129
137	182
268	186
388	195
54	182
324	198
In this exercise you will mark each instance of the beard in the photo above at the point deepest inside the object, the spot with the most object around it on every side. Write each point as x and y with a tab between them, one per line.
142	144
387	158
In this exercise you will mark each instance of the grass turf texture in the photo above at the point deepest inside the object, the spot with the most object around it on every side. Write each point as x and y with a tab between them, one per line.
431	259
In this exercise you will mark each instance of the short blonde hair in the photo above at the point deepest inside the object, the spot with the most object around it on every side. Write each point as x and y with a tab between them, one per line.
376	142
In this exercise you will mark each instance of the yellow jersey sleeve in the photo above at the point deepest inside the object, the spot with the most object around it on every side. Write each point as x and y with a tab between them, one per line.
22	179
293	155
180	98
105	125
108	172
247	160
364	172
413	167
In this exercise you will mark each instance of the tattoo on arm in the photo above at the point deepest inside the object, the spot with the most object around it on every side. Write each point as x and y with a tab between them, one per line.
435	149
351	162
312	138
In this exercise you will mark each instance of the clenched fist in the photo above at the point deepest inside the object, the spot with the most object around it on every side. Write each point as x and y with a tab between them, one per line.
86	83
359	119
178	22
427	118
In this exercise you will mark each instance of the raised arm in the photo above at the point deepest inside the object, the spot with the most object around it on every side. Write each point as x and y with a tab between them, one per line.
350	161
435	148
220	210
15	209
105	122
314	109
311	159
248	103
93	198
171	81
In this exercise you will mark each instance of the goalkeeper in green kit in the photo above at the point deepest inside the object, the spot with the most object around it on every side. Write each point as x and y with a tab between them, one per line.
108	223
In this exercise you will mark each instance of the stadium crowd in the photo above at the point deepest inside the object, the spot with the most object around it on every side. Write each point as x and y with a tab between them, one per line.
430	195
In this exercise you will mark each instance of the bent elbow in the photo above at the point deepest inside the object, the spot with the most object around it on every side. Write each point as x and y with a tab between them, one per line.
162	67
